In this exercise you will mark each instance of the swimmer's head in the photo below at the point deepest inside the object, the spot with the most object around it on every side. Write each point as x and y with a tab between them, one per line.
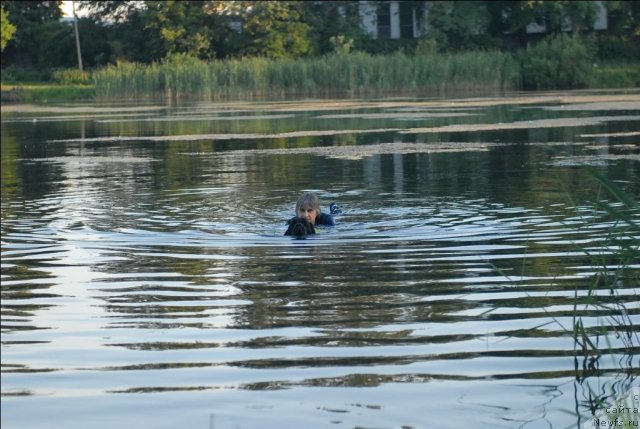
308	207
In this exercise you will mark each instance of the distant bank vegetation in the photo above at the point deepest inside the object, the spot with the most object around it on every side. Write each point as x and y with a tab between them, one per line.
564	62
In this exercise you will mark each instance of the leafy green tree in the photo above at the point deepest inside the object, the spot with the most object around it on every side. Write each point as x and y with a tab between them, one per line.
459	25
129	36
513	17
331	22
47	42
182	26
114	11
274	29
624	17
28	17
622	38
56	44
147	31
7	28
559	16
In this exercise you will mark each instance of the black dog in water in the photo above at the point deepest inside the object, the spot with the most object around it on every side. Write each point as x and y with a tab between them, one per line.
299	228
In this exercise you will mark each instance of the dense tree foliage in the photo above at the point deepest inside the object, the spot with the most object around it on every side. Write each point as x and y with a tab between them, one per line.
149	31
274	29
456	25
28	17
180	27
331	19
7	28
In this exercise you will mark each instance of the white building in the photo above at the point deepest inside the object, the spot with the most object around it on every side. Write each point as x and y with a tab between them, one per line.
391	20
401	20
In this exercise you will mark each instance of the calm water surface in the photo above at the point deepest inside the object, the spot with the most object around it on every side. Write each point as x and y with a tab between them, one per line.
146	282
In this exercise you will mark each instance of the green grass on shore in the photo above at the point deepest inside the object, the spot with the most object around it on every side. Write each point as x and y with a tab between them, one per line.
45	92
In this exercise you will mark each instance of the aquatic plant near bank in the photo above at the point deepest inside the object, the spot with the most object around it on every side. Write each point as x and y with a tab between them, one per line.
616	334
613	273
182	76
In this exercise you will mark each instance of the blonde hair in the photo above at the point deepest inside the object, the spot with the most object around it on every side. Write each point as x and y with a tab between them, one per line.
308	200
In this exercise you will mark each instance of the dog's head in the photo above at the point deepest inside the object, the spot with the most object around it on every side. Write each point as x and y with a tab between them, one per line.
299	228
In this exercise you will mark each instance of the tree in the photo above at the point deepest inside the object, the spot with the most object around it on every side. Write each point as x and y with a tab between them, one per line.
8	29
559	16
115	11
56	44
148	31
332	20
182	26
624	18
513	17
28	17
458	25
128	34
622	38
274	29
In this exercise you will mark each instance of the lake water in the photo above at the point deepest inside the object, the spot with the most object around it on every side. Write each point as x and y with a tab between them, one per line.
146	281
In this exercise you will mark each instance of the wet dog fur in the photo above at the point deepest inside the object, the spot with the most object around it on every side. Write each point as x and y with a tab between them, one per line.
299	228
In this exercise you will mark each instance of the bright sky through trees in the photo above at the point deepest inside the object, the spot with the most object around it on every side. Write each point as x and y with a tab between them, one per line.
67	10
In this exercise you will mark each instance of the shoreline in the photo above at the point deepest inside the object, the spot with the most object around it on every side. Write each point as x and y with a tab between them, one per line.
44	93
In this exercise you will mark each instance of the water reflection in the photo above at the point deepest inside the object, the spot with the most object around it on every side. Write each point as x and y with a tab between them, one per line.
140	262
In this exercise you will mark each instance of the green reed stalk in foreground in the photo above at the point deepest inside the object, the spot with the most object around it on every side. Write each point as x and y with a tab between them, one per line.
182	76
615	275
615	279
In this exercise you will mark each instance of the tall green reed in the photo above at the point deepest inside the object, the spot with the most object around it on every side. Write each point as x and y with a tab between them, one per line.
615	263
604	298
181	76
614	272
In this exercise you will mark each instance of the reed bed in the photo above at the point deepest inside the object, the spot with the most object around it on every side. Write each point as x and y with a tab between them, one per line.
181	76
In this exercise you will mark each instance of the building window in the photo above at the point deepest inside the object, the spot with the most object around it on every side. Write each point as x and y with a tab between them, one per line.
406	20
384	20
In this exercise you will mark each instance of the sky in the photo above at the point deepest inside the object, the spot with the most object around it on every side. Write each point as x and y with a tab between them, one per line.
67	9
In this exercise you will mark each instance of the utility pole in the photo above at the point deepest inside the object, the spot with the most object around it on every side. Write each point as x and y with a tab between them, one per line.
75	26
